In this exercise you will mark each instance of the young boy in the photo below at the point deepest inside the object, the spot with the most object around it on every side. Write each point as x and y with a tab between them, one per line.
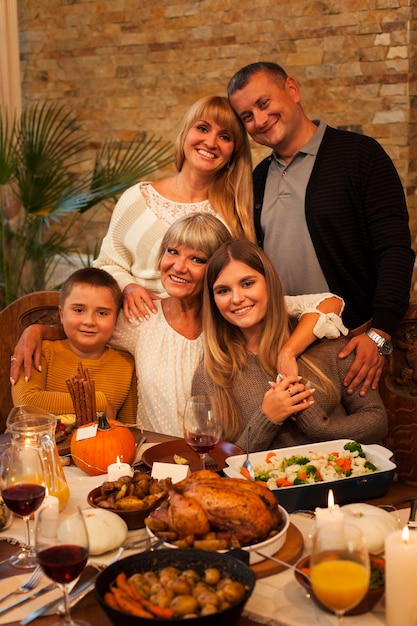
89	305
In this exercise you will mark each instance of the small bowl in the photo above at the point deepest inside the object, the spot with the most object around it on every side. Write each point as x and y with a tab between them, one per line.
366	604
134	518
269	546
199	560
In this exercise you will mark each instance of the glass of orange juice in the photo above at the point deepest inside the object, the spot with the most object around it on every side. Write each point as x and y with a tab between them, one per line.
339	568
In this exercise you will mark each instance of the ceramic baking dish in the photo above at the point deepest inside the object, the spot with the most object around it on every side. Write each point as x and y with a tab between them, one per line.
345	490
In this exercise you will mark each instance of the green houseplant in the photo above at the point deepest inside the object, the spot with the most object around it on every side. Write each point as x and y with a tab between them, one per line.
46	182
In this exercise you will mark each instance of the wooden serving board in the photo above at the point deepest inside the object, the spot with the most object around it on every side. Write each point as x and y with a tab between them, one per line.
290	553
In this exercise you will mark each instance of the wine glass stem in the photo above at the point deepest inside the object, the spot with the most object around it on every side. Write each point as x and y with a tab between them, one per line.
339	618
67	616
27	531
203	460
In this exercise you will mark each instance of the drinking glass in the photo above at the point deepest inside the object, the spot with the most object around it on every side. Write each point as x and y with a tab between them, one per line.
62	548
23	491
202	425
339	567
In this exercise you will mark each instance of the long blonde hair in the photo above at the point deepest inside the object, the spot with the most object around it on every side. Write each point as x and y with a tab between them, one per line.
225	355
231	194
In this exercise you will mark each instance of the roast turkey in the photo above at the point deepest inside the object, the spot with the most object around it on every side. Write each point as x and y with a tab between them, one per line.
243	512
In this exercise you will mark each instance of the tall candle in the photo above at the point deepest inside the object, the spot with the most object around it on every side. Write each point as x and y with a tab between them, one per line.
118	469
400	578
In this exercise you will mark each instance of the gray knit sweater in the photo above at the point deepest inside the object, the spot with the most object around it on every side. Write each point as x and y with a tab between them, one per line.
363	419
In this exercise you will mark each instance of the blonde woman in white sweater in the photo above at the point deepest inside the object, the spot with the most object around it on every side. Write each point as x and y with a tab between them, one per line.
214	175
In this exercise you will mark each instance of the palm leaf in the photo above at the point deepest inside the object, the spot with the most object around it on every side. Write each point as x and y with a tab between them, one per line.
8	148
41	154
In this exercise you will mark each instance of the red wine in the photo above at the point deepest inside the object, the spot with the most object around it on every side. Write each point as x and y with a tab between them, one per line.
201	443
25	498
64	562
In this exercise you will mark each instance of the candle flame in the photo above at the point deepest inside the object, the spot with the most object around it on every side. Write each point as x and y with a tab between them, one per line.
405	534
118	461
330	499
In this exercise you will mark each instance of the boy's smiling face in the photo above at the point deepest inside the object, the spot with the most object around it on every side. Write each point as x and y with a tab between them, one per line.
88	316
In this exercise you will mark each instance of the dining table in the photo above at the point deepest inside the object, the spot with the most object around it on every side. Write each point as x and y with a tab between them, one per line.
277	600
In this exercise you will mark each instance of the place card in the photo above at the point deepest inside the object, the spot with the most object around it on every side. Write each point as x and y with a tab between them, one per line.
170	470
86	432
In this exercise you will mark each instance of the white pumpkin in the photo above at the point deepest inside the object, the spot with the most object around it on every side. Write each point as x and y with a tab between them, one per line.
374	522
106	530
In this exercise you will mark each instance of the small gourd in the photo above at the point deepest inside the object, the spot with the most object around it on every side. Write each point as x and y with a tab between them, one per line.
113	439
373	521
106	530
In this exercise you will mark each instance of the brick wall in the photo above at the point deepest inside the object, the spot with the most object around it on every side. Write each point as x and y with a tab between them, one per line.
130	65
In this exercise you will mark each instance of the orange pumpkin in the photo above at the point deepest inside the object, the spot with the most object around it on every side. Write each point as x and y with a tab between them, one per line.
95	454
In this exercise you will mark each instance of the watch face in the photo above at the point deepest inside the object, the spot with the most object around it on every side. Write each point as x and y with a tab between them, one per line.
386	348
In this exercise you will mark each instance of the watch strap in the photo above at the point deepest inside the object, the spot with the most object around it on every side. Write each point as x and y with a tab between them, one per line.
380	342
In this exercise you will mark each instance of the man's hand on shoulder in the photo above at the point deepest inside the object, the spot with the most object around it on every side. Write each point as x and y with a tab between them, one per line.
366	369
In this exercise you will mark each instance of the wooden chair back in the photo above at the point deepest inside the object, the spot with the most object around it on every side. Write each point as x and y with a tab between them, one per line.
40	307
398	388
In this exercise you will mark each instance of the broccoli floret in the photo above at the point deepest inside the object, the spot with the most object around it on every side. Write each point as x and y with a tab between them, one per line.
354	446
262	477
370	466
299	481
295	460
311	470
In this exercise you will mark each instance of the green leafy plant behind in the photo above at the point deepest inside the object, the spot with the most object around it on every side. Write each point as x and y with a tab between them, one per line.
46	183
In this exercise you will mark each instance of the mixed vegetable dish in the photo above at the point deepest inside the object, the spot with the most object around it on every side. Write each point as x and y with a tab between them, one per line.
278	471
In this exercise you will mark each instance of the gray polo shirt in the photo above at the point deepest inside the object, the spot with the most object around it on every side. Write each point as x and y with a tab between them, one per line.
287	240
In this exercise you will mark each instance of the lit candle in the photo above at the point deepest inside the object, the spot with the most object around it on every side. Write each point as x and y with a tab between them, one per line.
331	515
118	469
330	522
50	515
400	578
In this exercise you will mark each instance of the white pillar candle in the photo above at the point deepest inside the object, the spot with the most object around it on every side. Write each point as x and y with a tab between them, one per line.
332	515
50	516
118	469
330	521
400	578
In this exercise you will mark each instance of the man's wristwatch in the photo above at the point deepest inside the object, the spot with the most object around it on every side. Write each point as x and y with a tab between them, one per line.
385	346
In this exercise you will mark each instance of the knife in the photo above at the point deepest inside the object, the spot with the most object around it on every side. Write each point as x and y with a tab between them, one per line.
51	606
37	593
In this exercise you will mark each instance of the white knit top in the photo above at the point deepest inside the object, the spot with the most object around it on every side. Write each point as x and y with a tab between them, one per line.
139	221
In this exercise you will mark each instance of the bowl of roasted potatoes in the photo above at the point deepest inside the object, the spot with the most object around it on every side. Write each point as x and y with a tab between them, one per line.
203	588
131	497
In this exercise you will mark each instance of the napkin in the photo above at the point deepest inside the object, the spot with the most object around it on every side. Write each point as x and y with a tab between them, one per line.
17	614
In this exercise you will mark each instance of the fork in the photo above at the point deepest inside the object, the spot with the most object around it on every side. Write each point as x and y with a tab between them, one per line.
30	584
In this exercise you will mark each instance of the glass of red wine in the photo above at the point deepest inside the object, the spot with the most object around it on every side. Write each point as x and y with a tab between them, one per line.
202	425
23	491
62	547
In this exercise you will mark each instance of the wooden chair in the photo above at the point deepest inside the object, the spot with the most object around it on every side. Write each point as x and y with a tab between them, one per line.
398	388
40	307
